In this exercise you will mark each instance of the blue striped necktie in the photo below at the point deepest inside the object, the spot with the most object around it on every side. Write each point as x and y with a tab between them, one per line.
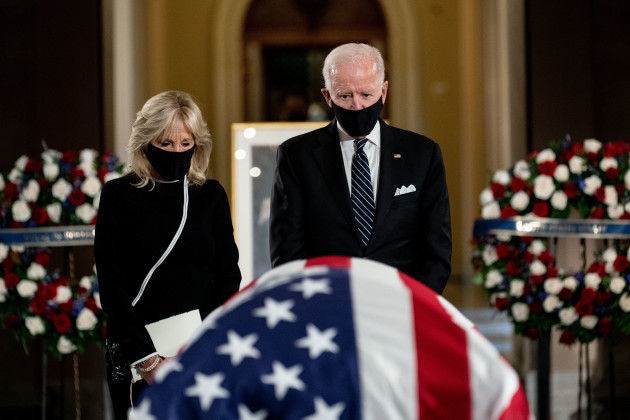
362	195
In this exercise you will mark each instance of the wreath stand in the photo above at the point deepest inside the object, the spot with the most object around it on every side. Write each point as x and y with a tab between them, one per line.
51	237
583	229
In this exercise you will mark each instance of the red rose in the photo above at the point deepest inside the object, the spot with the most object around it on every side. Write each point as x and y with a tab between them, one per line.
597	214
77	197
66	307
39	215
593	158
625	216
76	172
571	190
536	280
598	268
565	294
605	325
548	167
552	272
528	257
70	156
62	323
91	305
48	291
42	258
541	209
503	251
11	191
7	265
11	280
577	148
512	269
101	175
546	258
498	190
38	306
566	155
507	212
527	239
621	189
62	281
612	174
602	297
33	165
517	184
620	147
600	194
536	308
621	263
49	314
502	303
567	338
588	295
532	333
583	308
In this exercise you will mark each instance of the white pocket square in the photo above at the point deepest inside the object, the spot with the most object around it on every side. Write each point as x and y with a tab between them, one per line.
404	190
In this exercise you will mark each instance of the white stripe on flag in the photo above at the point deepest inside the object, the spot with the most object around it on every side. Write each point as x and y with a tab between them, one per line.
384	328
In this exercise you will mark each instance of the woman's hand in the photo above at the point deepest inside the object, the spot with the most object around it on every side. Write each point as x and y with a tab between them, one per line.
150	367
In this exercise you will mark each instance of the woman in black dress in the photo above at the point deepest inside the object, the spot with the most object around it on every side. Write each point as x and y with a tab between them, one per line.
163	193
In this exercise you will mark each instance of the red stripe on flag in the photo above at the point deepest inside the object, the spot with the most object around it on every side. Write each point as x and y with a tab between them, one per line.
443	371
518	409
331	261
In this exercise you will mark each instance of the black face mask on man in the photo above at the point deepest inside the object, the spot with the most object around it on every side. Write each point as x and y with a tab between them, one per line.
170	165
358	122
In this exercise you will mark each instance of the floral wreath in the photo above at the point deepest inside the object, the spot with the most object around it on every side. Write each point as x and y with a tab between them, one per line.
53	189
519	273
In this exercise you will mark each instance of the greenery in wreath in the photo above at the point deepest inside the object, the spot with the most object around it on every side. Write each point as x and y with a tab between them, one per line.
519	274
53	189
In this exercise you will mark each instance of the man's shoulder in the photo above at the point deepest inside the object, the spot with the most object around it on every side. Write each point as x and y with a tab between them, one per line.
407	137
306	140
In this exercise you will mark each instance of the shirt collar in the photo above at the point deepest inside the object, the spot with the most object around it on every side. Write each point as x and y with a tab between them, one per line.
374	136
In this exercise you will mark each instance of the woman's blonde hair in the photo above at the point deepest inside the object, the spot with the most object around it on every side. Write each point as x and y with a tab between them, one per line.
154	120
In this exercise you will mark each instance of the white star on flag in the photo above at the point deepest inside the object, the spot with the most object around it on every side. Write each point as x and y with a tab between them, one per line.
275	312
318	341
284	378
310	287
324	411
245	414
207	388
166	368
142	411
239	347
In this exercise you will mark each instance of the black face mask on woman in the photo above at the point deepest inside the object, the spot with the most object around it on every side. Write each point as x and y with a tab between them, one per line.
358	122
170	165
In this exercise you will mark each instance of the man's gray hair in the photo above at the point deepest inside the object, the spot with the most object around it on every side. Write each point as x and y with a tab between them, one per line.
352	53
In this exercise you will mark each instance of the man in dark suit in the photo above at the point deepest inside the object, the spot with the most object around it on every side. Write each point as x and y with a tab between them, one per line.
384	198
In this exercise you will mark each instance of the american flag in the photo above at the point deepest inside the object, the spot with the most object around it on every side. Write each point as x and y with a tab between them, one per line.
335	338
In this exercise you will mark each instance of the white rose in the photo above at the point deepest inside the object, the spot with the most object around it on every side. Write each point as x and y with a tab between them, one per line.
626	179
493	279
26	288
561	174
545	155
35	271
54	212
553	285
65	346
489	255
520	200
536	247
537	268
495	296
616	211
617	284
86	282
521	170
21	211
624	302
3	290
609	255
87	162
592	280
504	237
31	191
544	187
592	145
96	201
15	176
610	197
51	171
516	287
491	211
591	184
627	207
91	186
20	163
97	299
607	163
111	175
86	213
64	294
4	251
486	197
520	311
2	183
51	156
61	190
577	165
570	283
559	200
18	248
568	316
589	321
86	320
502	177
551	303
35	325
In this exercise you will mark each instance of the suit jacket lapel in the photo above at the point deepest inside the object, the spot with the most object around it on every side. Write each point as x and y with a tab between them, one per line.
328	158
393	158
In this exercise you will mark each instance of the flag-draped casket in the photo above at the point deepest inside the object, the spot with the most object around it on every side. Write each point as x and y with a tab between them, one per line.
336	338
